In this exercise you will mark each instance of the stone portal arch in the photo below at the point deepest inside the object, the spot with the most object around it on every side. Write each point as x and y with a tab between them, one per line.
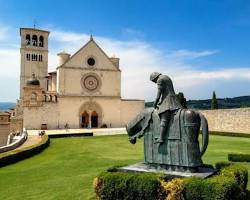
90	115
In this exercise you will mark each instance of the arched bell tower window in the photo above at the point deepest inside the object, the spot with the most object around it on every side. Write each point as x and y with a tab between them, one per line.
34	40
41	41
27	39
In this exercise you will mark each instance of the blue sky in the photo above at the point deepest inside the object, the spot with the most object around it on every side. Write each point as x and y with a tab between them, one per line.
203	45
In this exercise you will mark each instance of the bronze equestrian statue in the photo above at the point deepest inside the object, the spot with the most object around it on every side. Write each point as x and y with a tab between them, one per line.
170	131
166	101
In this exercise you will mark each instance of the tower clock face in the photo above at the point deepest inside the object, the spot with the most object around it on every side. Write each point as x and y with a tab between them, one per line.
91	82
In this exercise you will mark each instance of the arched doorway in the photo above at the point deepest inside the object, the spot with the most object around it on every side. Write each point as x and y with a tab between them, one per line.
94	119
85	120
90	115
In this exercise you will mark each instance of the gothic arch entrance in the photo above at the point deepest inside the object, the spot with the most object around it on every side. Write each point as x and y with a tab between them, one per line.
90	115
94	119
85	119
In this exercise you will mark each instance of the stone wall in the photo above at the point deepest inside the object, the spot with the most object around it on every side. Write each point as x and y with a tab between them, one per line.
130	109
228	120
4	132
16	124
4	127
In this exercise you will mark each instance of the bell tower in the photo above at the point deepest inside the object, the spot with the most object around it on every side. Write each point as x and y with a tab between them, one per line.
34	56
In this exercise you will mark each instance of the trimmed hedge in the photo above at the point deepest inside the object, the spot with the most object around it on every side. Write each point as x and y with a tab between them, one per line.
13	156
239	157
229	184
127	186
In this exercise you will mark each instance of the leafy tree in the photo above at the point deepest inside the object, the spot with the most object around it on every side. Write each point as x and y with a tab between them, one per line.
214	103
182	99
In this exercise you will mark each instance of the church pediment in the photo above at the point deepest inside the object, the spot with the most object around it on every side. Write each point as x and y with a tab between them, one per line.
91	56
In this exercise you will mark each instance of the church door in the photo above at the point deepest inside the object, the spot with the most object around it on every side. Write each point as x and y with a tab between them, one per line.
94	119
85	120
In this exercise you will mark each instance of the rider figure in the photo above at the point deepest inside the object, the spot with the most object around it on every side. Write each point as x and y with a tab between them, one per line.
166	101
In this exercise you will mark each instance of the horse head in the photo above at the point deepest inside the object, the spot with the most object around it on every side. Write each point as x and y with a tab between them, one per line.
137	127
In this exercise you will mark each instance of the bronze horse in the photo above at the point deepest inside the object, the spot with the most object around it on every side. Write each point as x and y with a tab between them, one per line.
181	146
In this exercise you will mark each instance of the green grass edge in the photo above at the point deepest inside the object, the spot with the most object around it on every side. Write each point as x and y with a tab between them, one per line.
16	155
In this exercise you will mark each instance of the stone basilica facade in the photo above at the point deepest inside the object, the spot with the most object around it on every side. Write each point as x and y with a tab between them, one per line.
84	91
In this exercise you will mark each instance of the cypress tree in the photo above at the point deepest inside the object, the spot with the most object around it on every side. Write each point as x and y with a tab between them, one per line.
214	103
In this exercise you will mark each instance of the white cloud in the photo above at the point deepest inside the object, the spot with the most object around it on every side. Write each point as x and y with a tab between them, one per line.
188	54
137	60
67	36
129	32
3	33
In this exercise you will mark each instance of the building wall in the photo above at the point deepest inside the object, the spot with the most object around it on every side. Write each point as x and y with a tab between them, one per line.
4	132
228	120
4	128
71	109
113	112
34	117
79	60
71	82
129	109
16	124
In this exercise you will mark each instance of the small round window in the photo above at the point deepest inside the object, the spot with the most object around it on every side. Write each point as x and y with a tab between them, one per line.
91	61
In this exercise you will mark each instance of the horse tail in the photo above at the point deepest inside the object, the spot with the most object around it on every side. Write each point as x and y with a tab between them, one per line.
205	137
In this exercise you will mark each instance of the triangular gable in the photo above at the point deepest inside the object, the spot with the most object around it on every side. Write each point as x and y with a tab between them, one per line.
90	49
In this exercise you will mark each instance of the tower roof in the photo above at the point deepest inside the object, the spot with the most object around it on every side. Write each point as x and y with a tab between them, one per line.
34	29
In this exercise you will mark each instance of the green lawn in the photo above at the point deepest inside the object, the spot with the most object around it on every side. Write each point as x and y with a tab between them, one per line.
65	170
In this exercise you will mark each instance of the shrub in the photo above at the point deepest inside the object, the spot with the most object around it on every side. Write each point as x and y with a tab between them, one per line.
220	165
104	126
229	184
173	189
239	157
126	186
22	153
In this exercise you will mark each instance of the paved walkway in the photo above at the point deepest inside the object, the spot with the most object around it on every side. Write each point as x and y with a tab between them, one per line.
96	132
33	137
31	140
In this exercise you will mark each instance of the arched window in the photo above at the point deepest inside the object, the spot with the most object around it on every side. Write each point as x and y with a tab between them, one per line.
41	41
40	58
32	57
35	57
27	39
55	98
28	56
34	40
33	97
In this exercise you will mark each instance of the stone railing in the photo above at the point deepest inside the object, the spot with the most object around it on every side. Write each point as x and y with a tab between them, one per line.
14	141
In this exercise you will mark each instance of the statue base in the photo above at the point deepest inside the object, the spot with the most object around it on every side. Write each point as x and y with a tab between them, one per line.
201	172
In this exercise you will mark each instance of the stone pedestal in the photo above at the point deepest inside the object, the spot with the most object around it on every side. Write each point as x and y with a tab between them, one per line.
201	172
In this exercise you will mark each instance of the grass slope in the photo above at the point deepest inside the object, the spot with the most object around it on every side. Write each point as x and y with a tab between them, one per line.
66	169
